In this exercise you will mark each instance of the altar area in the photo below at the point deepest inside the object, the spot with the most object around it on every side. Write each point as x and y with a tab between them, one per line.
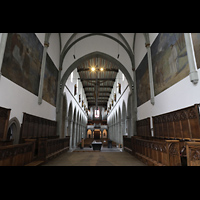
103	149
96	145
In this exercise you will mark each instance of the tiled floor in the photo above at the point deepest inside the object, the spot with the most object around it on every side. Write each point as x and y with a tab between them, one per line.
95	158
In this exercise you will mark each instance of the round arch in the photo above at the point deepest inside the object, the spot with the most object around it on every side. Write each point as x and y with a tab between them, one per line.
119	126
70	124
64	116
90	55
77	63
74	128
70	44
14	130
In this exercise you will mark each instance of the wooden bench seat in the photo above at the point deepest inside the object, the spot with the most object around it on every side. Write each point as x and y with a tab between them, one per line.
16	155
35	163
159	153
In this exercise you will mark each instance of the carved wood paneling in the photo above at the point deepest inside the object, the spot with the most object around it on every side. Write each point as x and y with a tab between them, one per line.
180	124
4	121
143	127
37	127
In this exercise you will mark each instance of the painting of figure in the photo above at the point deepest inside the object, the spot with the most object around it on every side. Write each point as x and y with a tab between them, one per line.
50	82
196	44
142	82
169	60
22	60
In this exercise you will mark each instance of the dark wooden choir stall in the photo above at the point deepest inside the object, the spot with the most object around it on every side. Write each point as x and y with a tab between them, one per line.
38	141
176	139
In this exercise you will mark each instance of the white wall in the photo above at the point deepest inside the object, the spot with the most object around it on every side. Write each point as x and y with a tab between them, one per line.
180	95
97	43
75	99
20	100
120	98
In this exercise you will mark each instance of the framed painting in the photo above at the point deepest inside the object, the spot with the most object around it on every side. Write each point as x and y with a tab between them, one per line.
50	82
169	60
22	60
142	82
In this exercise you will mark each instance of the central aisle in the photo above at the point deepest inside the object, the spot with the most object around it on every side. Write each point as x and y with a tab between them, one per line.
95	159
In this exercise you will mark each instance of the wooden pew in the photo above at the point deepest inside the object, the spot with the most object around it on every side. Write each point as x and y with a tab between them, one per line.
16	155
143	131
49	148
143	127
34	127
193	153
153	150
43	133
37	127
4	121
157	153
182	124
128	144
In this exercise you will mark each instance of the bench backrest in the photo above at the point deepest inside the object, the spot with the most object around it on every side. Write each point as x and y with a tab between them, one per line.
143	127
16	155
179	124
4	121
37	127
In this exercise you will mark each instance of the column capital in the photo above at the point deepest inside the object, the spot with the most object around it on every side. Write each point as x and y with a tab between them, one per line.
46	44
147	45
191	58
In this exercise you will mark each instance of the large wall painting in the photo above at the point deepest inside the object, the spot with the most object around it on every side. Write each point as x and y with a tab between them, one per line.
22	60
142	82
169	60
22	65
50	82
196	44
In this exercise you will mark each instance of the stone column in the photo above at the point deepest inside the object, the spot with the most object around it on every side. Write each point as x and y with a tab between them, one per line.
134	104
123	128
119	132
2	48
66	127
128	122
70	132
75	129
77	133
46	45
147	45
191	58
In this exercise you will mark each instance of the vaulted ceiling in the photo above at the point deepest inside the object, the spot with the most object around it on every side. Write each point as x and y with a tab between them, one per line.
117	49
103	77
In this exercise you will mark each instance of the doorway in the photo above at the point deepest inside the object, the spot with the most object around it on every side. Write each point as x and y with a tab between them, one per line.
14	130
96	134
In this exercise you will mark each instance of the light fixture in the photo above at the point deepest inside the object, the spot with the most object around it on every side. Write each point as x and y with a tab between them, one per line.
93	69
101	68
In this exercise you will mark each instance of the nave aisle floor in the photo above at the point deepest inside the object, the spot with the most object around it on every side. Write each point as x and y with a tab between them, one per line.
95	158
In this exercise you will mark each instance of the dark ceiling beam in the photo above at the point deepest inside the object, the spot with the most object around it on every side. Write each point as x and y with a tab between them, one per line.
99	104
101	86
107	90
99	99
100	92
99	79
88	70
103	97
99	96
